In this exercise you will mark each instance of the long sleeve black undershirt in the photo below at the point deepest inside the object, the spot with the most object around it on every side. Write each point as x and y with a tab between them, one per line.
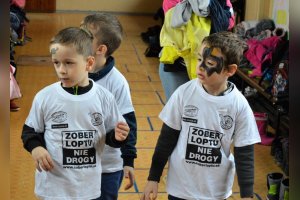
244	162
32	139
165	145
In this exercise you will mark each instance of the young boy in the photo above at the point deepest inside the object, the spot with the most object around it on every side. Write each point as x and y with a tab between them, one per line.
108	32
201	120
70	121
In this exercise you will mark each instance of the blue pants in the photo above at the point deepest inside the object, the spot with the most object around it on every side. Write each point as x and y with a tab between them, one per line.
171	80
170	197
110	185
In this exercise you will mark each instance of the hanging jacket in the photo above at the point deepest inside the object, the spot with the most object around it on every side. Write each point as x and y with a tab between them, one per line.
220	14
183	41
167	4
183	11
260	52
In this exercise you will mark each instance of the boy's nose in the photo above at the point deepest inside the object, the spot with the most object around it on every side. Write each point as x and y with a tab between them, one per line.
62	69
201	68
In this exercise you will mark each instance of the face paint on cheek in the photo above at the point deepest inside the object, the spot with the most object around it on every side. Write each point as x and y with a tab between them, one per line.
207	53
53	50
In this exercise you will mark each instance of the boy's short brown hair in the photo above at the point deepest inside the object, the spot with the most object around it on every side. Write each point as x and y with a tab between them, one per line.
232	47
109	30
80	38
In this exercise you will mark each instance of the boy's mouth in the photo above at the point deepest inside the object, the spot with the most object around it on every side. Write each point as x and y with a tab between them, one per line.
201	76
64	79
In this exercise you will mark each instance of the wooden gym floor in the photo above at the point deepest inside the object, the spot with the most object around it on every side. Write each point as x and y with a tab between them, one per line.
35	71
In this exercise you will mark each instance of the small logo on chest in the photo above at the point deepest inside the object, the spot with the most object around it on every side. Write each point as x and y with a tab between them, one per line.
59	116
96	119
226	121
190	111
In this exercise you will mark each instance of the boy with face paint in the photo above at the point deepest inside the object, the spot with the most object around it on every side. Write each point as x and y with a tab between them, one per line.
70	121
201	121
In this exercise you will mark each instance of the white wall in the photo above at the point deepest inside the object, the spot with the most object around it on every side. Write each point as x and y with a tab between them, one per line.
122	6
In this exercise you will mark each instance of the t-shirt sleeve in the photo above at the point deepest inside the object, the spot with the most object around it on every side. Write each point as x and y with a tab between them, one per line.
112	114
246	132
35	118
172	112
123	99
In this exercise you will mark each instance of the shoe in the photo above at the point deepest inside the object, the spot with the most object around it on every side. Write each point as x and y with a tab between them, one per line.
153	51
284	189
152	31
13	106
273	183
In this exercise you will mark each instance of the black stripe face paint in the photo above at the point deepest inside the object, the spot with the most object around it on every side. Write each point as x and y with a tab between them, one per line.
211	63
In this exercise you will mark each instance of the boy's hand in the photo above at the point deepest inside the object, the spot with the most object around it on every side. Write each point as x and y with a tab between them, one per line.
121	131
42	159
129	174
151	187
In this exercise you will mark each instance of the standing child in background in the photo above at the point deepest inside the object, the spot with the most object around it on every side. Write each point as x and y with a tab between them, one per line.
108	33
201	120
69	123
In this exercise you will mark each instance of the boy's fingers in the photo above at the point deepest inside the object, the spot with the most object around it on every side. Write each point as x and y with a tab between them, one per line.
142	197
123	126
131	180
128	186
42	165
37	166
50	161
154	195
46	165
122	137
122	123
122	133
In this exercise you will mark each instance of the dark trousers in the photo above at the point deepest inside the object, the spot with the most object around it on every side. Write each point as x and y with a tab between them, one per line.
110	185
170	197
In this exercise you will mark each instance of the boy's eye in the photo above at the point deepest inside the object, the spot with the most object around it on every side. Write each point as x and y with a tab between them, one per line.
55	62
69	63
210	63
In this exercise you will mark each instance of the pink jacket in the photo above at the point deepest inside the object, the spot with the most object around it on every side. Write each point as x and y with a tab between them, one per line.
260	52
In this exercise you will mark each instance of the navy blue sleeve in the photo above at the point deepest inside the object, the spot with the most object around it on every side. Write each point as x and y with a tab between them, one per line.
129	150
111	140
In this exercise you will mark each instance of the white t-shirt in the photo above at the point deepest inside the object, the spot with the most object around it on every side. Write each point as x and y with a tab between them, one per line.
116	83
201	165
74	129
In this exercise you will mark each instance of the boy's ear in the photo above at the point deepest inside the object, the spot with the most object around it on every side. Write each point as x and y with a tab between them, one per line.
231	69
102	49
90	63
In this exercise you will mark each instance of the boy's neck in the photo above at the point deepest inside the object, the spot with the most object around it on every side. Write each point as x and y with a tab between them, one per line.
78	90
100	65
97	75
217	91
